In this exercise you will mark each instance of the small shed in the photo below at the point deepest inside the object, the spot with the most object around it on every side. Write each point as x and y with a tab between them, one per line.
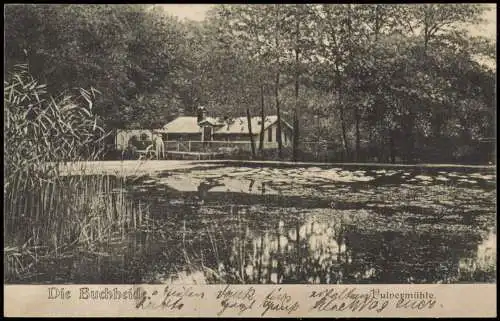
125	137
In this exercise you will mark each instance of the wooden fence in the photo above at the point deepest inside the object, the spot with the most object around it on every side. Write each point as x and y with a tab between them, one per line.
313	150
206	146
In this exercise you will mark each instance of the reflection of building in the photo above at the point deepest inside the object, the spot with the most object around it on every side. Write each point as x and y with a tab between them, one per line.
185	183
238	185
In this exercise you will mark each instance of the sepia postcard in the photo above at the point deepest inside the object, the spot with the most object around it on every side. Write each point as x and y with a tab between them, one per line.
250	160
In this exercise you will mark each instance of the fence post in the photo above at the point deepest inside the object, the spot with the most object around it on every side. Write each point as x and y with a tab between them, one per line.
189	146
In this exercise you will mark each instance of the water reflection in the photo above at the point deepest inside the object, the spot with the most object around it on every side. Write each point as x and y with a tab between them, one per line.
483	265
274	226
271	245
295	254
331	248
183	183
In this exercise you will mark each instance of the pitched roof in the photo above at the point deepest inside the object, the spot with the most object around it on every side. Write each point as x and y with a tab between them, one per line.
239	125
183	124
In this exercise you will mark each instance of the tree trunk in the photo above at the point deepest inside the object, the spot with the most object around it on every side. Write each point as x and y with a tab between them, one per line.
410	154
348	89
262	119
341	108
296	134
295	146
344	131
277	83
426	39
427	22
278	112
358	133
357	115
392	152
252	144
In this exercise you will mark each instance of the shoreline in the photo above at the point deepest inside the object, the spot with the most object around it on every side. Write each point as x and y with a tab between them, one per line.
141	167
313	164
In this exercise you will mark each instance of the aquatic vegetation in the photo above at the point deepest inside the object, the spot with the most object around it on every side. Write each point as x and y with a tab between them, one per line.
428	224
271	225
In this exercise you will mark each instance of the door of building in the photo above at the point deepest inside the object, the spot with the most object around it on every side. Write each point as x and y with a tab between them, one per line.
207	133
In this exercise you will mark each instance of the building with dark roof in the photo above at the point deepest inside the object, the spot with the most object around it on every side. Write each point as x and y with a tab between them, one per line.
191	128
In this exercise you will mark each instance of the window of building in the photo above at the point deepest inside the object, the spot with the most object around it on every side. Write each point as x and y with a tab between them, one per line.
270	134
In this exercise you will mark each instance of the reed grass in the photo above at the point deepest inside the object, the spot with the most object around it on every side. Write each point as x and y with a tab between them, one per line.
84	212
221	273
47	214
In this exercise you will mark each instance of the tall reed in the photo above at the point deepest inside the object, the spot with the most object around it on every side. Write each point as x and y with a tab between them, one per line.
47	214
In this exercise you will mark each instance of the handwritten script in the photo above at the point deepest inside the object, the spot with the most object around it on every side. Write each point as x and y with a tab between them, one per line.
171	298
271	300
238	300
351	299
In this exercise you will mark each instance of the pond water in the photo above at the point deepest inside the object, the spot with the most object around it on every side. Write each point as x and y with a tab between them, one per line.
302	225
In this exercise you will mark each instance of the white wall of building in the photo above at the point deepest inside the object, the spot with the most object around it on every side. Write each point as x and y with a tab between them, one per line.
286	140
123	136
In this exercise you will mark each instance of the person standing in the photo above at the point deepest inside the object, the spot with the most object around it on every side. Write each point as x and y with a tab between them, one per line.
160	147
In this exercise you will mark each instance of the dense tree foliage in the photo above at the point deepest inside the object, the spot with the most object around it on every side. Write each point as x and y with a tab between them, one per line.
377	82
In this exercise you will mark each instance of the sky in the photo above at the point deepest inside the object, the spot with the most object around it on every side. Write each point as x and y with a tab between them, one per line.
197	12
